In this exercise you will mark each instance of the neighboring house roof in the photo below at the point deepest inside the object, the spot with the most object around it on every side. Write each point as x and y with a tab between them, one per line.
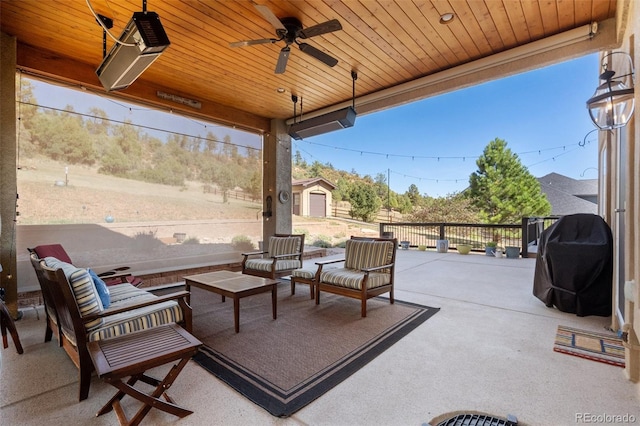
312	181
568	195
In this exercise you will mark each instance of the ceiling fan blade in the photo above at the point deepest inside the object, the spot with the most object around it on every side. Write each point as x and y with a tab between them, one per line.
269	16
282	60
318	54
323	28
252	42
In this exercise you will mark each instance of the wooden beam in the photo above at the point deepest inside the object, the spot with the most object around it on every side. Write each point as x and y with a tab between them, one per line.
64	69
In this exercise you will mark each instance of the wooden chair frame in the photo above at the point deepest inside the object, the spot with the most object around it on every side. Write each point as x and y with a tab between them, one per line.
119	275
52	322
364	293
70	321
6	323
311	282
273	274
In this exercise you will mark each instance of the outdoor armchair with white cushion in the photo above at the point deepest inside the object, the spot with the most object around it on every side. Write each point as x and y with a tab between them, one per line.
368	271
284	255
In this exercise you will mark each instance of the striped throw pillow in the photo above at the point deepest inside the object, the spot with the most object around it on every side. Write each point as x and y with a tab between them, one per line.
82	287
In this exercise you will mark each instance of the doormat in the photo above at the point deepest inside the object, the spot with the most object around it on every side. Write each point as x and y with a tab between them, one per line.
599	347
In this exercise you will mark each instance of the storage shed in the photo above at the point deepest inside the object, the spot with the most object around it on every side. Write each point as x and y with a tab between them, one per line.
312	197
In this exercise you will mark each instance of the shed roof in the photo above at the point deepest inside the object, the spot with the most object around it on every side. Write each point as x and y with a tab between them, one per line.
312	181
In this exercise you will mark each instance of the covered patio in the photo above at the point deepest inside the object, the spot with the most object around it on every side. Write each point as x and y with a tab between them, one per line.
490	346
489	349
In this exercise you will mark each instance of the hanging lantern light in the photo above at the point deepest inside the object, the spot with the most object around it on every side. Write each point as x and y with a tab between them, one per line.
612	105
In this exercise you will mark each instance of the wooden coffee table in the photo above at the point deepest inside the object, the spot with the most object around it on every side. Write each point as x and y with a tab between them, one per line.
235	285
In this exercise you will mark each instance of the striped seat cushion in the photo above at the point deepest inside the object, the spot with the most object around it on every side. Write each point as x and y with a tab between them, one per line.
265	264
137	319
123	295
284	245
307	273
352	278
367	254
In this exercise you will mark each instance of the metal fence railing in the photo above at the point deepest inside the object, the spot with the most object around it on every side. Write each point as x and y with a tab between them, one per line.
523	235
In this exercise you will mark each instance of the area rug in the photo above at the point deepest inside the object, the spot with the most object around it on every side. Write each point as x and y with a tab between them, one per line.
284	364
599	347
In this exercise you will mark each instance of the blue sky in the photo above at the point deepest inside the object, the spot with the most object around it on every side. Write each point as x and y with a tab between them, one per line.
541	114
432	143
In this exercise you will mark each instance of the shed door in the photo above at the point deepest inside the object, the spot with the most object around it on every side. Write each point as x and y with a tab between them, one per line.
296	203
317	204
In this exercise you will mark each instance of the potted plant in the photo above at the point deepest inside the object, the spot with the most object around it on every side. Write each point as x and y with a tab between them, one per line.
463	248
442	246
513	252
490	248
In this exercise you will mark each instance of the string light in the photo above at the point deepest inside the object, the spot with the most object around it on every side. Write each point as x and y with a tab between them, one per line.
426	157
459	179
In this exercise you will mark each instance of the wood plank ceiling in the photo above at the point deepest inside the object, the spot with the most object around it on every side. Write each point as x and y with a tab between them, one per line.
387	42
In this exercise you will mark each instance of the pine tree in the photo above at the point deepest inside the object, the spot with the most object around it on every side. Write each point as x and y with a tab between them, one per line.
503	189
365	203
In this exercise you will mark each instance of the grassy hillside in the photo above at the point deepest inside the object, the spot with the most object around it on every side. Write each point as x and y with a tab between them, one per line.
49	196
139	207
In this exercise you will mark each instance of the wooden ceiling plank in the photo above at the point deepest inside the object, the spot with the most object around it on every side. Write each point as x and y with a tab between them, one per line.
365	52
485	21
404	34
503	25
368	25
603	7
533	18
549	14
454	33
468	25
583	11
408	15
515	13
426	18
362	54
415	16
566	15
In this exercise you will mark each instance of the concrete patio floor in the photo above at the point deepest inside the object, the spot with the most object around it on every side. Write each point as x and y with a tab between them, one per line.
489	349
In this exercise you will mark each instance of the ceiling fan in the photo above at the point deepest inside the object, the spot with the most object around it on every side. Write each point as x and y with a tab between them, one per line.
290	30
